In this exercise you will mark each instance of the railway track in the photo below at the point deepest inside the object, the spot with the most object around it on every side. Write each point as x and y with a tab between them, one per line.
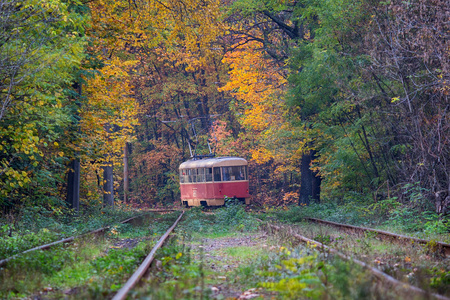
440	247
387	279
128	242
106	264
134	279
73	238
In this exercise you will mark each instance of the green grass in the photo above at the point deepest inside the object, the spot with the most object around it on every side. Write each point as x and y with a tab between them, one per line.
92	265
244	252
36	226
275	265
388	215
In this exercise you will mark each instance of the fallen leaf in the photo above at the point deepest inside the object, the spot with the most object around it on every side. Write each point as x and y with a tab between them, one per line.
248	294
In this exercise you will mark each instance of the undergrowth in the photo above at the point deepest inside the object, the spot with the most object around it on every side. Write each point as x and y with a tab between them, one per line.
175	274
92	267
387	214
232	217
36	226
304	273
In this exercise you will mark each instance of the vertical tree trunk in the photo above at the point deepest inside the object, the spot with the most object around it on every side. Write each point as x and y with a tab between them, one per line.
108	185
125	173
73	178
108	180
73	185
306	179
317	180
310	181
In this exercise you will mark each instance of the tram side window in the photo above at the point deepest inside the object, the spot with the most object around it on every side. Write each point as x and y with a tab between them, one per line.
185	175
217	174
226	173
243	172
201	175
208	174
234	173
192	175
182	176
197	175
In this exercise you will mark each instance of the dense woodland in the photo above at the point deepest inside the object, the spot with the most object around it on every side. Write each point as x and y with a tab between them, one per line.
333	101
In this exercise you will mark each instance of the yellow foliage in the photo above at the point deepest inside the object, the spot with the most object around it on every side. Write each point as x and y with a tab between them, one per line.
257	83
110	114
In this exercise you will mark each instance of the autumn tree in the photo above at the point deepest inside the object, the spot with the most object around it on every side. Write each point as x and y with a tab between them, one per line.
258	86
179	101
41	47
172	45
270	32
373	94
410	60
328	91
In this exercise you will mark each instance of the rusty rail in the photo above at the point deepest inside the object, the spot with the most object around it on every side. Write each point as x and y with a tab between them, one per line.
134	279
65	240
379	274
443	247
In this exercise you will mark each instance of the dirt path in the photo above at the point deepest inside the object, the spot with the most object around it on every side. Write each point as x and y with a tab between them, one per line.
223	256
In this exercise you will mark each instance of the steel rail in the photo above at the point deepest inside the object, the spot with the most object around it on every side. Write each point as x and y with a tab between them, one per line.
379	274
46	246
444	247
161	210
137	275
65	240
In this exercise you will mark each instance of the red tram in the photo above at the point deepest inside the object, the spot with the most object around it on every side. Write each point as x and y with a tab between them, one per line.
207	181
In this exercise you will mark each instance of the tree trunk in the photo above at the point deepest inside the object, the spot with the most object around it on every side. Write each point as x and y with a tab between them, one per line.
310	181
73	178
317	180
73	185
125	173
108	185
306	179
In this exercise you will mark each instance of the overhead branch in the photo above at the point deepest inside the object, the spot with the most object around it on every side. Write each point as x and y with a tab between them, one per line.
292	32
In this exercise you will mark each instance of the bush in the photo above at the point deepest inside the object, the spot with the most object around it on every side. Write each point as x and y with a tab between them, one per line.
234	217
230	217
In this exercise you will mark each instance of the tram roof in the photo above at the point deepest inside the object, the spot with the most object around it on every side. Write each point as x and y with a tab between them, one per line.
214	162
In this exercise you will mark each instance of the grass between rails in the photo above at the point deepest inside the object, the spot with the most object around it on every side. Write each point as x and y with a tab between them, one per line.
416	264
419	265
93	267
36	226
210	256
387	215
224	257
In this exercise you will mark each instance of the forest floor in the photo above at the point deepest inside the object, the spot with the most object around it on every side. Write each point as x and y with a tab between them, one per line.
220	255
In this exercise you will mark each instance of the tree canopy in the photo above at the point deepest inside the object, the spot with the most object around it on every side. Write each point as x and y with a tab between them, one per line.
338	98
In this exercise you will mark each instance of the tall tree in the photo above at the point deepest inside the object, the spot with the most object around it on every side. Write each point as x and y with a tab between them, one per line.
410	55
271	31
41	47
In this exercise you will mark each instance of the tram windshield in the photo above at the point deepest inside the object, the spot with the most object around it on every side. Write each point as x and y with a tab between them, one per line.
217	173
196	175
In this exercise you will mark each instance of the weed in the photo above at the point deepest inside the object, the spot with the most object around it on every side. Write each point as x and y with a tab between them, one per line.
91	262
326	240
441	280
231	217
411	218
38	225
177	276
